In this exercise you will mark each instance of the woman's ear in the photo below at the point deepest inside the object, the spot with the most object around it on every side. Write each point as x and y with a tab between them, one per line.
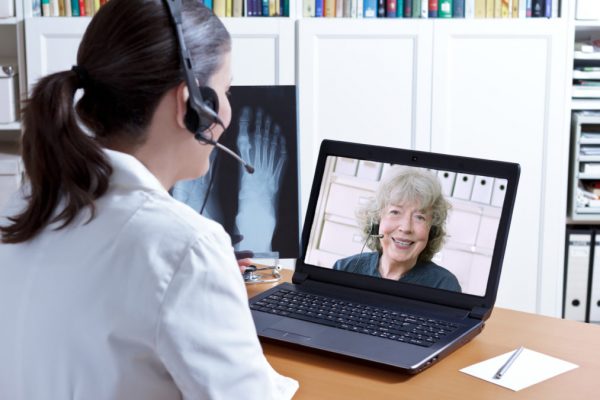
181	94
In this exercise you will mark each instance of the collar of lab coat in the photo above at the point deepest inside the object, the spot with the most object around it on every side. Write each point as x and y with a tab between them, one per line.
129	172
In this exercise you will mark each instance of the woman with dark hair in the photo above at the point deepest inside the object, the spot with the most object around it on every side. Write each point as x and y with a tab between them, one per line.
405	225
110	288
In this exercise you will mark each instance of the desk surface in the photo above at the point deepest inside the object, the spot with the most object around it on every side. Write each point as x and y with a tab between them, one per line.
322	376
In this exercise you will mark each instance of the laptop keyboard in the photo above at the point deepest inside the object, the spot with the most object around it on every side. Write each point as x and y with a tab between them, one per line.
352	316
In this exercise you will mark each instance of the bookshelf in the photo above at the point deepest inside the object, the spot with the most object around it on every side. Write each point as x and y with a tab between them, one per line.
492	88
583	211
585	106
295	9
584	168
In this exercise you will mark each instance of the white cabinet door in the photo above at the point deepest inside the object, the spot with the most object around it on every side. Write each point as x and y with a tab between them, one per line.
262	51
499	93
363	81
51	45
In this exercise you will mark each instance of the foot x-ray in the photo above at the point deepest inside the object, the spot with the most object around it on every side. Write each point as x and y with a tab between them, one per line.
260	211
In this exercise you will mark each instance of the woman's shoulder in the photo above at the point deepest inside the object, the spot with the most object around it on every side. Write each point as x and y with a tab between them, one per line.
356	262
151	217
431	268
443	277
175	215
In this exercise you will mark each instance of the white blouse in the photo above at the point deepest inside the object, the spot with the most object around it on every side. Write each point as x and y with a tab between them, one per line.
145	301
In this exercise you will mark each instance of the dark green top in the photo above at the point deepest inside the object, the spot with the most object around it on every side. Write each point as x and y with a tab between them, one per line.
426	273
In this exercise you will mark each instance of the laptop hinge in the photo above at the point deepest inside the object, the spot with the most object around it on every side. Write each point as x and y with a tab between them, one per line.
299	277
479	312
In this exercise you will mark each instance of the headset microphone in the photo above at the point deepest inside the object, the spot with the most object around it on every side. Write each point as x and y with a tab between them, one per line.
203	102
249	168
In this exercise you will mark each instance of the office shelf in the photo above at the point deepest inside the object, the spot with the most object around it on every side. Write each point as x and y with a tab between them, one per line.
585	166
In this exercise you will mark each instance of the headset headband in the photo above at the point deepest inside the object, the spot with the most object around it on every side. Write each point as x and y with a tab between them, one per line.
195	101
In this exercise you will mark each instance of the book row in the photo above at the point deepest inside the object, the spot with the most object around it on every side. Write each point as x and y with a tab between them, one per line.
431	8
249	8
66	8
221	8
339	8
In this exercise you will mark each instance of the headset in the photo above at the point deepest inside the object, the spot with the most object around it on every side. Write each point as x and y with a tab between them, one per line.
374	230
203	102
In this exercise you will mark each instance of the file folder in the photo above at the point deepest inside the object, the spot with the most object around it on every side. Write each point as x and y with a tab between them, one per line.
463	186
385	169
594	305
369	170
482	189
498	192
577	273
346	166
447	181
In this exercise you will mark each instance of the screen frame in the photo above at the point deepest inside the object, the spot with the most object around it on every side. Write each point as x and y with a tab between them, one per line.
414	158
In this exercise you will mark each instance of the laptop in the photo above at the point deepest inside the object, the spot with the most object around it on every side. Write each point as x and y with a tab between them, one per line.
409	288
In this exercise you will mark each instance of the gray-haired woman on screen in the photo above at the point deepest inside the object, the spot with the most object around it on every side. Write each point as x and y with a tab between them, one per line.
404	225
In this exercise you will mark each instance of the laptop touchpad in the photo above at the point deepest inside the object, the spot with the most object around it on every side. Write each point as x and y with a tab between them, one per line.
295	327
276	333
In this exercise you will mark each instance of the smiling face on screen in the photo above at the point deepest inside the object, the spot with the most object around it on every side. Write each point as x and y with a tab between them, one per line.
405	229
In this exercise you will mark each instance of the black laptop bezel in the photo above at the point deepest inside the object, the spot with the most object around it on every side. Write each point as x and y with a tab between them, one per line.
444	162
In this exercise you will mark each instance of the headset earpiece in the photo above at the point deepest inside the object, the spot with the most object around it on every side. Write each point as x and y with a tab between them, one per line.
374	230
432	232
211	100
195	122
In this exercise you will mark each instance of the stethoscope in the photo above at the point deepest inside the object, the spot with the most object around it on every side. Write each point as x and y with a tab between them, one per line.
253	274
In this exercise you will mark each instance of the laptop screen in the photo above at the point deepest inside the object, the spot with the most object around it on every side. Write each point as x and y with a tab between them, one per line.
418	225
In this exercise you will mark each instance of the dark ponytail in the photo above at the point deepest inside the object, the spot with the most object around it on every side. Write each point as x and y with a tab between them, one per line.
127	60
62	162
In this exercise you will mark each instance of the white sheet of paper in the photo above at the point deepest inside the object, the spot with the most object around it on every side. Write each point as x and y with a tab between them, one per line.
528	369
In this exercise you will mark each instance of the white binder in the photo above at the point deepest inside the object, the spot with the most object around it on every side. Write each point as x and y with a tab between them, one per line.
463	186
346	166
576	274
385	170
447	181
498	192
594	305
482	189
368	170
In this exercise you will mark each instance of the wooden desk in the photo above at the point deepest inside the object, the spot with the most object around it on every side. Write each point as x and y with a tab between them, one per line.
325	377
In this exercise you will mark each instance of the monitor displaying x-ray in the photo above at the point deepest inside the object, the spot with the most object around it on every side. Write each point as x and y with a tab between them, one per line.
370	218
259	211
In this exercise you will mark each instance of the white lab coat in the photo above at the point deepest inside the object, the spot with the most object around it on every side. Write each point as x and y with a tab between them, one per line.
144	302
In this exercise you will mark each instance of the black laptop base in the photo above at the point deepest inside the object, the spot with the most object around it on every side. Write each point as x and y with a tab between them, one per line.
380	339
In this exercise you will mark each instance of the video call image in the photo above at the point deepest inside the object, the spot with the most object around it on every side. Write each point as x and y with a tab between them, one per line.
259	210
413	225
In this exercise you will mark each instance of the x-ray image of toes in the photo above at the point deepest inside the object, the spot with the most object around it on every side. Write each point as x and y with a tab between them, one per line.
260	211
264	148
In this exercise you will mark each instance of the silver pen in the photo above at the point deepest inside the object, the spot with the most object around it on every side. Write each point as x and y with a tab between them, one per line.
508	363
